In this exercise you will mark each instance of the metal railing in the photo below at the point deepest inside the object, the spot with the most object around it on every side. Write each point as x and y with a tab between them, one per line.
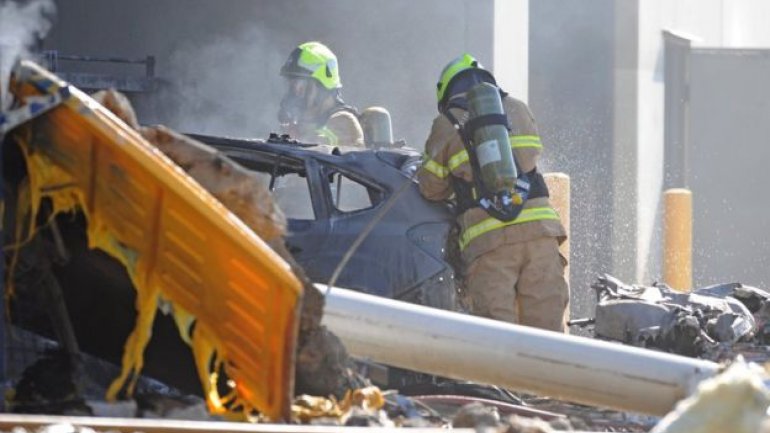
96	81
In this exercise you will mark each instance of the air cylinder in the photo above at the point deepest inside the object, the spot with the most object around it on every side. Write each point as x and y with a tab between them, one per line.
378	129
491	142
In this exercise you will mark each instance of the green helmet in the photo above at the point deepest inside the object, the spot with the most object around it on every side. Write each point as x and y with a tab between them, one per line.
313	60
451	72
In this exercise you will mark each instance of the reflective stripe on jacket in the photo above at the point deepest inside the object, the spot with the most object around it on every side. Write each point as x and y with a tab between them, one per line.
328	135
489	224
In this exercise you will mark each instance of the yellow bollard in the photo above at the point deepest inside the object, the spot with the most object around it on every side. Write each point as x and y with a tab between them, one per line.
559	189
677	239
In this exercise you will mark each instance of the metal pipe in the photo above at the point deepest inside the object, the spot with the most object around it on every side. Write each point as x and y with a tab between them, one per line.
465	347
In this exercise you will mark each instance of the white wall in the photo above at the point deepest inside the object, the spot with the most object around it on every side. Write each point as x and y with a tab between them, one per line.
745	24
712	23
511	46
720	23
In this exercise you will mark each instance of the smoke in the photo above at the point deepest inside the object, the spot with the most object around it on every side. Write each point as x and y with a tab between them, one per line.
22	25
220	65
228	86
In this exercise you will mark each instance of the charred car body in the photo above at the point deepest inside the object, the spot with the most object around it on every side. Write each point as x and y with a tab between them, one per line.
330	196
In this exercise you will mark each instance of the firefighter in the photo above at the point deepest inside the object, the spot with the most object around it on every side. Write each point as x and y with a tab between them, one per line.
312	109
512	269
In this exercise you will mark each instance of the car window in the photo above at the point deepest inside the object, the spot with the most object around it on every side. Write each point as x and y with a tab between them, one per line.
349	195
292	194
286	179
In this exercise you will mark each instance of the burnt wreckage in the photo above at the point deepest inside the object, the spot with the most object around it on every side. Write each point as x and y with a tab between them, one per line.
715	322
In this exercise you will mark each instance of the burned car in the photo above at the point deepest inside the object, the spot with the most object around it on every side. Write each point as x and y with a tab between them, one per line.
330	195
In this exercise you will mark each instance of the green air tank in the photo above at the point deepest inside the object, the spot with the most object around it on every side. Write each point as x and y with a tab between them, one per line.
378	130
491	143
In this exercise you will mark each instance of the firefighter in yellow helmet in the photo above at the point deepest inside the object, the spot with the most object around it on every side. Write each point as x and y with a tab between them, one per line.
512	268
312	109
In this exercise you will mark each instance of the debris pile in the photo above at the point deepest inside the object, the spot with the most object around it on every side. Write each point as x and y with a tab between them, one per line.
714	322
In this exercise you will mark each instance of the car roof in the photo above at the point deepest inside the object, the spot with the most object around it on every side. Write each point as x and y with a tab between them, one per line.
394	156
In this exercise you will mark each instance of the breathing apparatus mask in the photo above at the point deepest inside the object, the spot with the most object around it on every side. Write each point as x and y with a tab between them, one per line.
298	101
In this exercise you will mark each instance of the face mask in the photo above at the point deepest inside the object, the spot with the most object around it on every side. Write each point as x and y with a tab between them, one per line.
295	102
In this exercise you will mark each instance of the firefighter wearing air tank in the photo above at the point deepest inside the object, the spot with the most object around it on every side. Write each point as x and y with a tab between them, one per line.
312	109
482	154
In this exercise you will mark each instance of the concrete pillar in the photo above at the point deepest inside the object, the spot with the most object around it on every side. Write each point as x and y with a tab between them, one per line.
625	152
677	106
511	46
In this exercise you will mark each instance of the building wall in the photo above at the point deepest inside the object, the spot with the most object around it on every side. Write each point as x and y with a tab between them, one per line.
728	166
574	49
511	46
219	61
745	24
712	23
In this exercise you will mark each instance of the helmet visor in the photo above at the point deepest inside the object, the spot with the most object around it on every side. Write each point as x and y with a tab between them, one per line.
297	87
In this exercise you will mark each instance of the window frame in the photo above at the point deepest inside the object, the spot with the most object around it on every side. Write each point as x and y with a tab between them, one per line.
282	163
328	169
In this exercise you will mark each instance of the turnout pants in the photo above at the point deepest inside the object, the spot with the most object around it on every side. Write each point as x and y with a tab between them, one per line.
521	283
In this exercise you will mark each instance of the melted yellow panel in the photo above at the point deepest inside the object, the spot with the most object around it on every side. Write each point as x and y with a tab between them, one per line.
176	241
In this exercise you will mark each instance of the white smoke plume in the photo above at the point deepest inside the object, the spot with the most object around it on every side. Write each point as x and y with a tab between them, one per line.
22	25
226	85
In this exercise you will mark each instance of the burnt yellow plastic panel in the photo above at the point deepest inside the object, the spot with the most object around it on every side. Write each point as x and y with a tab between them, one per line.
177	242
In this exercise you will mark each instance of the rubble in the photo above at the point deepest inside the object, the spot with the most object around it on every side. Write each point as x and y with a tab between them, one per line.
47	386
476	415
710	322
50	385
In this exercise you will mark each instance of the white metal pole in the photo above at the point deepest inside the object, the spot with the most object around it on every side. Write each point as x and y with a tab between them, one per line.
547	363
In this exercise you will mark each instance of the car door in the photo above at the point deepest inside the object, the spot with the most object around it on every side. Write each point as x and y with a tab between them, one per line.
352	201
294	186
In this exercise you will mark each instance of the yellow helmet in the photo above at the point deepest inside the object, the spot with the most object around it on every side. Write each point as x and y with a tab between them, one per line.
454	71
313	60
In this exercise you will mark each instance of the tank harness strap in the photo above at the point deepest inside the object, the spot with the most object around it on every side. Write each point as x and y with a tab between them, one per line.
467	197
488	119
537	186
